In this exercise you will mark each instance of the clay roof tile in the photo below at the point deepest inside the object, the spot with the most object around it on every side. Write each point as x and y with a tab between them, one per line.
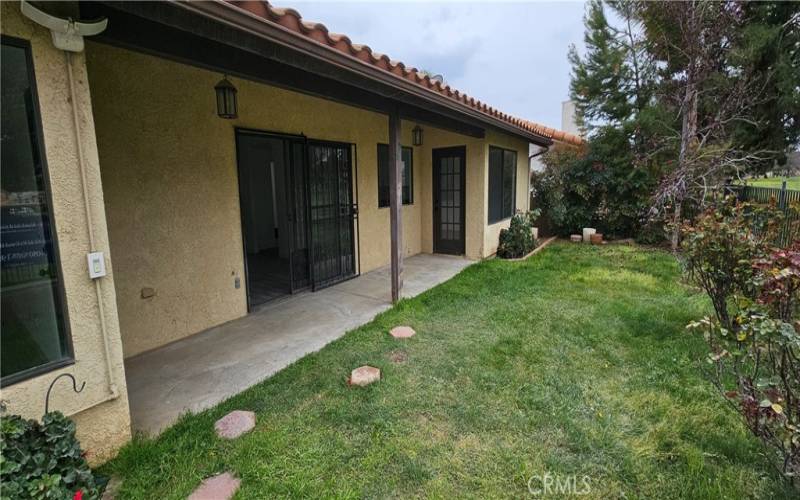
291	20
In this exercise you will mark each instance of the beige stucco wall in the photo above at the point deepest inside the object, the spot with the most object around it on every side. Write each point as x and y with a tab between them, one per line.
481	237
474	184
103	422
491	234
170	179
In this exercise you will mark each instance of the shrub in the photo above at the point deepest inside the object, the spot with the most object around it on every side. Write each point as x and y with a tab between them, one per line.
780	282
596	185
43	460
754	340
517	241
720	245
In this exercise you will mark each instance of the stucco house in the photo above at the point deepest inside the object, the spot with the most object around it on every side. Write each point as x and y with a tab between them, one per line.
194	160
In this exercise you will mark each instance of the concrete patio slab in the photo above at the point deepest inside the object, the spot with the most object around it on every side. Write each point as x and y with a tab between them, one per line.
200	371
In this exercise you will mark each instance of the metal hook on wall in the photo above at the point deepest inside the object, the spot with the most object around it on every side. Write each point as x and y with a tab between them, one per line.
74	388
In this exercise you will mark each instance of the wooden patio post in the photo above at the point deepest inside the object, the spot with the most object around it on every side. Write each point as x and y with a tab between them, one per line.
395	202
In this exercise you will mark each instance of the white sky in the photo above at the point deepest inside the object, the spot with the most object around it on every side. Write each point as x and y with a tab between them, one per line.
511	55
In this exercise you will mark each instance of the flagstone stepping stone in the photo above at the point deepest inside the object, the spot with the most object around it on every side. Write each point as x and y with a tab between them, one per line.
402	332
235	423
364	375
220	487
110	493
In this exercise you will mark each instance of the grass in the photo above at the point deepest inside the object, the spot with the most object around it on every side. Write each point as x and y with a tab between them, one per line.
775	182
574	362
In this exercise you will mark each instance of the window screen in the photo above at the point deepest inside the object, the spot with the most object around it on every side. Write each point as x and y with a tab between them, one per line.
502	183
407	156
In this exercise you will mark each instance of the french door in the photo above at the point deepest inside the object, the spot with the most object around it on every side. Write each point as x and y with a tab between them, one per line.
449	183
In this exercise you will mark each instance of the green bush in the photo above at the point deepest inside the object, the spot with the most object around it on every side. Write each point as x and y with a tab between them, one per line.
719	248
517	241
43	460
754	340
596	185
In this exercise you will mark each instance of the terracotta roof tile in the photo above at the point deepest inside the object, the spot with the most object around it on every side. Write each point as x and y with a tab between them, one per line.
291	20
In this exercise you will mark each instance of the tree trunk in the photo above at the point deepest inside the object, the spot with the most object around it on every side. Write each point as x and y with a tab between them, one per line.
676	228
688	124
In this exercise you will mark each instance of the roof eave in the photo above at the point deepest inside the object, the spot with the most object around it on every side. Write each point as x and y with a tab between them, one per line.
255	25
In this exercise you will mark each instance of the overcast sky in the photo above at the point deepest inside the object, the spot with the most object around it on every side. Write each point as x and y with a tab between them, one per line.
512	56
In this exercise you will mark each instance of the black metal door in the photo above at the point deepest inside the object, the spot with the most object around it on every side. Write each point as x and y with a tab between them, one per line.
449	182
332	212
297	195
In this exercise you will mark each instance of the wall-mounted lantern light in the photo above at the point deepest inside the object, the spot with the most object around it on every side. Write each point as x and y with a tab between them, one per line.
416	136
226	99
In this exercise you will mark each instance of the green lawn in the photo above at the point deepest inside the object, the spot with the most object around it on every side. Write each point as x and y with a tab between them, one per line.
575	362
775	182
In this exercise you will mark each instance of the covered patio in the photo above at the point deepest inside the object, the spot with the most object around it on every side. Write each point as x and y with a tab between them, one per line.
330	169
200	371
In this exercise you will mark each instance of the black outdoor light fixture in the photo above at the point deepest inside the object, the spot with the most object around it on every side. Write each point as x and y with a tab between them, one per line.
226	99
416	136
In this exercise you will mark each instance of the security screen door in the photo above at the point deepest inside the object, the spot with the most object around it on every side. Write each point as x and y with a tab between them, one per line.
332	212
298	217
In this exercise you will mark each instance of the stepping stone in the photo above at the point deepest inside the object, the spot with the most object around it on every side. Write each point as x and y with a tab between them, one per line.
110	493
235	423
402	332
219	487
364	375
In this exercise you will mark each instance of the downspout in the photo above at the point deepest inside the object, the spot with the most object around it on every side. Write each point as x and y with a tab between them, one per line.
543	150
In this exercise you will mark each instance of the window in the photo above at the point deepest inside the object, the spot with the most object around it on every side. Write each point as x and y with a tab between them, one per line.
502	183
33	336
407	155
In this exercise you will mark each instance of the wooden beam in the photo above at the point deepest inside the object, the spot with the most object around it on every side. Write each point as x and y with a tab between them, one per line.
395	203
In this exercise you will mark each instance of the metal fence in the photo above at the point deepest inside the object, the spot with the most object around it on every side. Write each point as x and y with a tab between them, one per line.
787	201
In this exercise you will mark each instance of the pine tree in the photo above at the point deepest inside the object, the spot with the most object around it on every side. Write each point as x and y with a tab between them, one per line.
770	49
702	92
599	80
612	84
